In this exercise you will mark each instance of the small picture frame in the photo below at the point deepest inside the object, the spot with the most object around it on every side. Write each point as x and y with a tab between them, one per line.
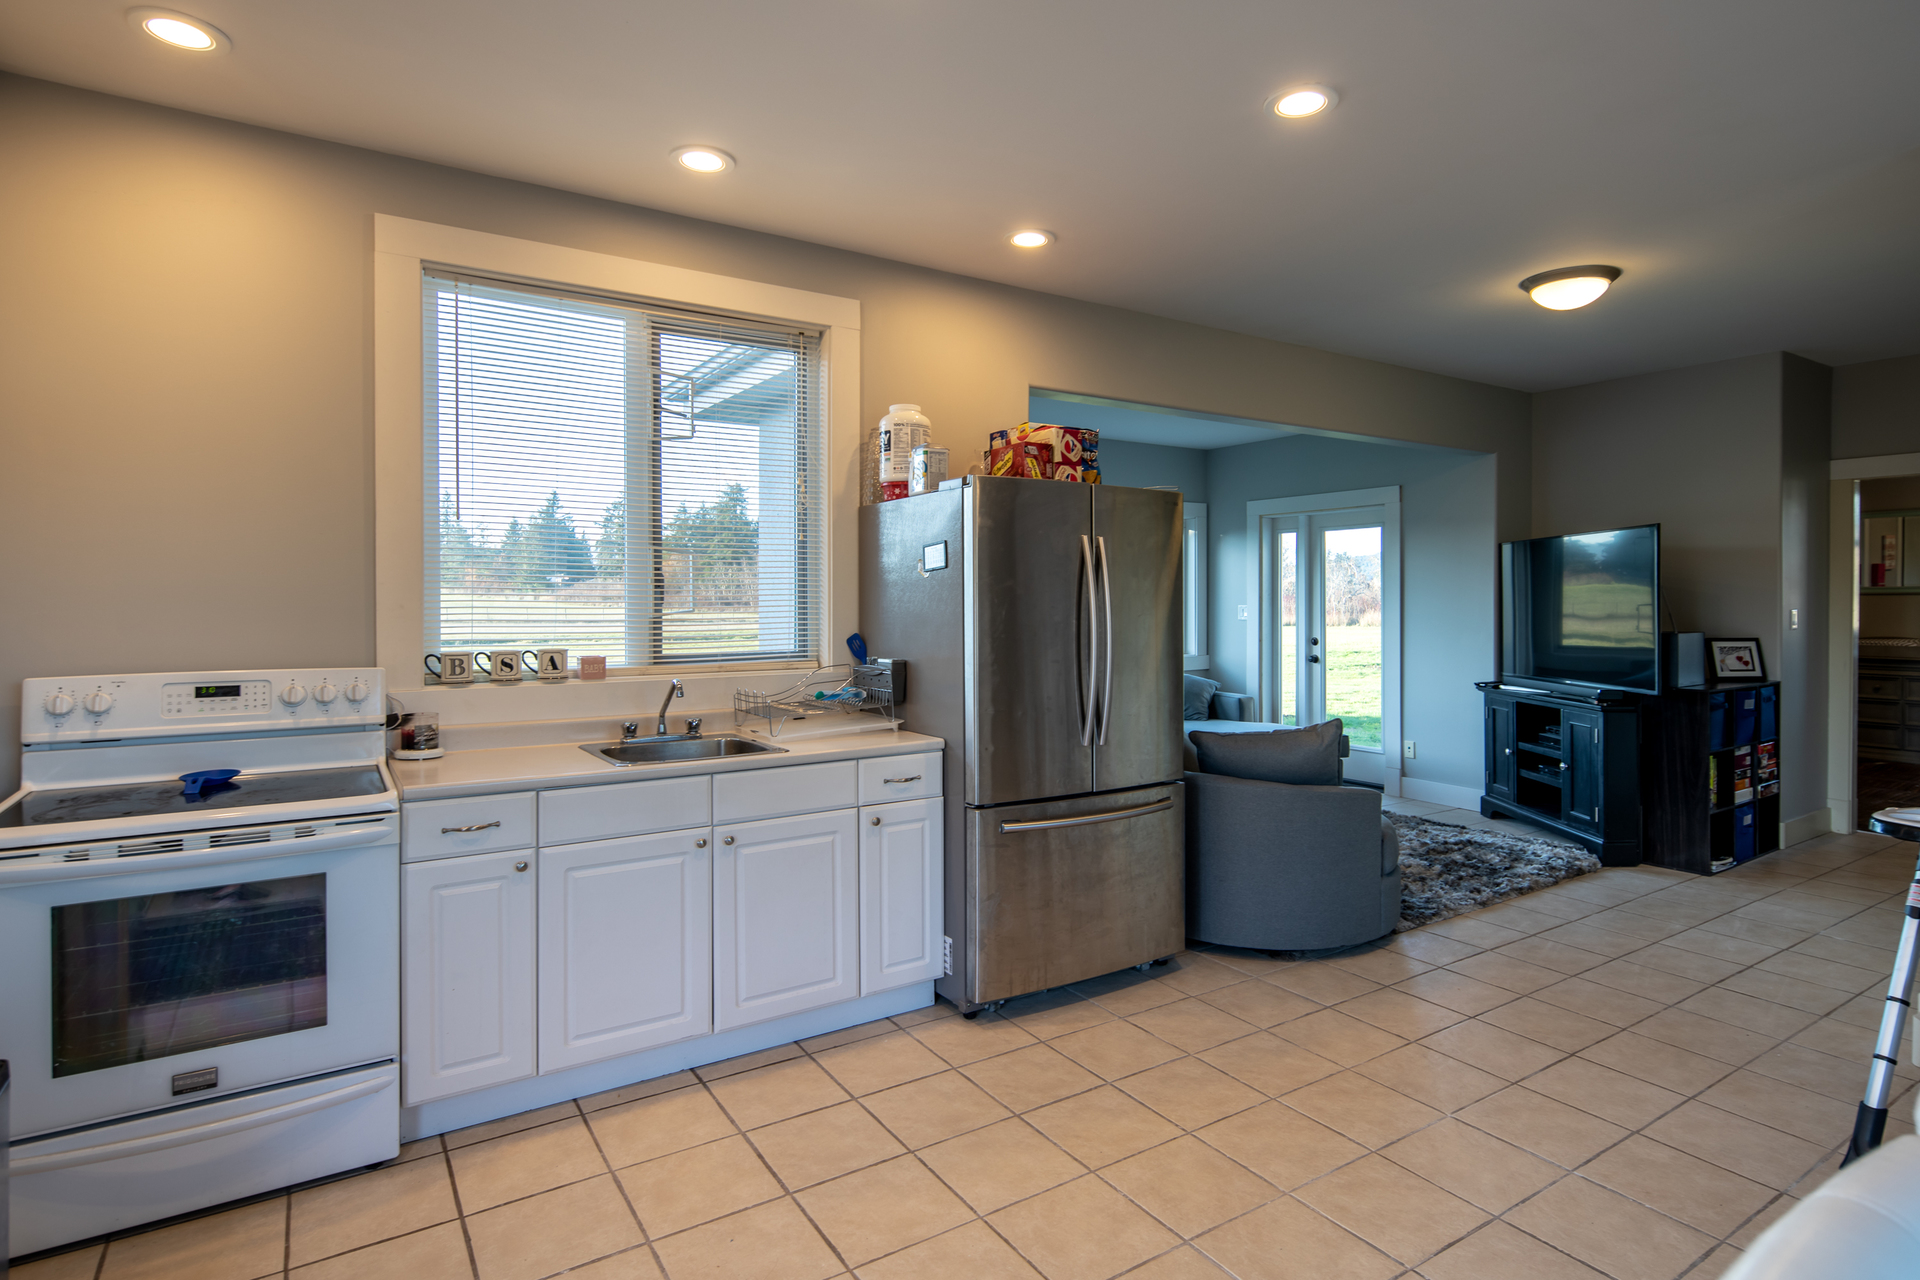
1736	659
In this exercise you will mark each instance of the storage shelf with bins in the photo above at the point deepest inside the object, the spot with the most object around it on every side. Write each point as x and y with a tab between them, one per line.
1889	707
1715	783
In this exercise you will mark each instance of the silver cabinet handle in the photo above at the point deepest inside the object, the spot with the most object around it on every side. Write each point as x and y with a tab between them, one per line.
519	866
478	826
1093	641
1111	815
910	778
699	844
1106	595
728	840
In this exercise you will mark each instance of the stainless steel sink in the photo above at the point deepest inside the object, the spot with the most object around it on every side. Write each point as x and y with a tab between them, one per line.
673	749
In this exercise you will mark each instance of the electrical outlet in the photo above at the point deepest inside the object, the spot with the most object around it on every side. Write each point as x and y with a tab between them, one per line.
1243	613
1406	748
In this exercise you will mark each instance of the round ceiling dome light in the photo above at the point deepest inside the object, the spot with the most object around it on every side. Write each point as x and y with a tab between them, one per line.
180	30
703	159
1304	100
1569	287
1030	239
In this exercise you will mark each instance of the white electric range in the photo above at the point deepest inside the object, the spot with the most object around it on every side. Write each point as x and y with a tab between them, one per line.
198	943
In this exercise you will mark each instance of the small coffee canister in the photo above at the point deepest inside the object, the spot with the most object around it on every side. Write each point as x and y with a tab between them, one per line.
929	469
416	737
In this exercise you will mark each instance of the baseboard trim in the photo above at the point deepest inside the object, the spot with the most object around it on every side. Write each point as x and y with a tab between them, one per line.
1440	793
1805	827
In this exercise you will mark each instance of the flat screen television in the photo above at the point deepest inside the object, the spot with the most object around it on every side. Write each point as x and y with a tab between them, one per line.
1582	609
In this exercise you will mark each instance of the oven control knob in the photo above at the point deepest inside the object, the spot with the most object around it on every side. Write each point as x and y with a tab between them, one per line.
99	702
323	693
293	695
59	704
358	691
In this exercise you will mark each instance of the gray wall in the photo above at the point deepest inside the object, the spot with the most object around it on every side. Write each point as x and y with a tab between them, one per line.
1150	465
1876	408
186	349
1730	459
1449	575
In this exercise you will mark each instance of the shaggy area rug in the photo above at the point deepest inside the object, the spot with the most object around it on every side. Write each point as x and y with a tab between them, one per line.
1447	870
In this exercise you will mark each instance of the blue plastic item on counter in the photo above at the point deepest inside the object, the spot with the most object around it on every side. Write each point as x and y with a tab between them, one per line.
857	646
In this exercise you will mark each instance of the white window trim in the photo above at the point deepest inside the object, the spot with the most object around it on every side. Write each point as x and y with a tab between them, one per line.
401	248
1197	596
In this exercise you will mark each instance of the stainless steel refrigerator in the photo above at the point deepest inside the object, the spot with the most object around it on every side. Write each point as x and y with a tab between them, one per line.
1041	623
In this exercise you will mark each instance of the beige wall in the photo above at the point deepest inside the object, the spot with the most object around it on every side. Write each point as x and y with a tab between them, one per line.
1876	408
1729	458
186	364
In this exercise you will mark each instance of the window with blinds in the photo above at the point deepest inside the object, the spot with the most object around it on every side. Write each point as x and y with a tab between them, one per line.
619	478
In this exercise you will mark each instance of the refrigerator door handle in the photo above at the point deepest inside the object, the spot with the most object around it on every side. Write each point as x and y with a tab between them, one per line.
1086	819
1093	642
1106	596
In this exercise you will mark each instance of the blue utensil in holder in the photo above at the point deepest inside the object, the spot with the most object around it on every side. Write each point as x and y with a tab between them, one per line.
857	646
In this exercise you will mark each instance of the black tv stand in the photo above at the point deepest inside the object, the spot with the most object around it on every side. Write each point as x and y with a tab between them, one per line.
1569	760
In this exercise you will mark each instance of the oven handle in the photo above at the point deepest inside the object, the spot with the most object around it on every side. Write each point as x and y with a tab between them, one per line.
34	869
24	1165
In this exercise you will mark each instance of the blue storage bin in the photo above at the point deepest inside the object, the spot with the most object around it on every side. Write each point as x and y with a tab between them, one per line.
1769	713
1746	716
1743	833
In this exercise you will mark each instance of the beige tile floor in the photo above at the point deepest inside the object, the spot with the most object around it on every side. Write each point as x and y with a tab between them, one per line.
1629	1074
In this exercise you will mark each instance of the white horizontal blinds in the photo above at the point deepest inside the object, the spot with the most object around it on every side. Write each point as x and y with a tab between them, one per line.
618	478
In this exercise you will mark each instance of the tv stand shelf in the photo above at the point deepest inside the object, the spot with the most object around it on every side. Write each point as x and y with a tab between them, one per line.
1567	762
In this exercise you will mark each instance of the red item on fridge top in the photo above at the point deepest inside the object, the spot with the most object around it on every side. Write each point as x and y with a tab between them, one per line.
1033	461
891	489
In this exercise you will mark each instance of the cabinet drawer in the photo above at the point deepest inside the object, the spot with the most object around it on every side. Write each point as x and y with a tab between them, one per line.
480	824
624	809
899	777
1873	736
1879	686
772	793
1876	712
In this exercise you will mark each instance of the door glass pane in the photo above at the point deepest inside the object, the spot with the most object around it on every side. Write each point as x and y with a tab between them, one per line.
1350	577
1289	655
166	973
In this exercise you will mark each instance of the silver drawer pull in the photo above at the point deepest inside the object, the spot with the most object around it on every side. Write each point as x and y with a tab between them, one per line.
1112	815
913	778
478	826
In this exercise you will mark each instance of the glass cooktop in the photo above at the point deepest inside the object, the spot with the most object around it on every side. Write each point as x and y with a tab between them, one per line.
165	799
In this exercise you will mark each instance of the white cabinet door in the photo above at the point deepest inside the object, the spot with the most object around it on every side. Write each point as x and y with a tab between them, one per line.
785	921
902	882
626	946
467	980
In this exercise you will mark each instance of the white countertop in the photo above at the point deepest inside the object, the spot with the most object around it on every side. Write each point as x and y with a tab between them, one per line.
487	770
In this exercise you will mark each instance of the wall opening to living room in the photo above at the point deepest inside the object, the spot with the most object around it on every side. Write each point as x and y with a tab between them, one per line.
1447	596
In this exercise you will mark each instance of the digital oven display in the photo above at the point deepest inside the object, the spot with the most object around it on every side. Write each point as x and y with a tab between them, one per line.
216	691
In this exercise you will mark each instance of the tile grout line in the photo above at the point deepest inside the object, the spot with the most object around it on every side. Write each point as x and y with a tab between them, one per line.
646	1236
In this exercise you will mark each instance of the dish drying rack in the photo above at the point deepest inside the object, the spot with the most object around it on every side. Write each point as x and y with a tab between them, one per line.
797	712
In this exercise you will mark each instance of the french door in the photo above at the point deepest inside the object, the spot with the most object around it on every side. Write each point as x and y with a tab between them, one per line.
1328	620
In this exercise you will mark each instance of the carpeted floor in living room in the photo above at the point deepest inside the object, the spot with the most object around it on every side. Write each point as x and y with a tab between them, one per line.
1629	1074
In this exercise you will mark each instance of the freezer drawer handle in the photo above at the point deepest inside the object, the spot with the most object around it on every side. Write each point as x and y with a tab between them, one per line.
1112	815
478	826
23	1165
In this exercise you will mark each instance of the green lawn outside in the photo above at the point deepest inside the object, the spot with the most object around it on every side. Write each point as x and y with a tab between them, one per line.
1353	682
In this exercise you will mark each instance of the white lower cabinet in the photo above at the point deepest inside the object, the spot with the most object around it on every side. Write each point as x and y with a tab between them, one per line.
902	884
786	916
626	946
467	998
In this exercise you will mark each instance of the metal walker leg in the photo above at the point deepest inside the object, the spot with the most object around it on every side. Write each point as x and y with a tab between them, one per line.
1870	1124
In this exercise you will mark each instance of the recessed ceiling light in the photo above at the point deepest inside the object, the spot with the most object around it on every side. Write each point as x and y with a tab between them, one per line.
1303	100
179	30
1569	287
1031	239
703	159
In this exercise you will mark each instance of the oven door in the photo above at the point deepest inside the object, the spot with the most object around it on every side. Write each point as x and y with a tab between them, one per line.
139	983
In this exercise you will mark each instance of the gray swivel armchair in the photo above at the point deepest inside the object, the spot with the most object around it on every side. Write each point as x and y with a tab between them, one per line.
1286	865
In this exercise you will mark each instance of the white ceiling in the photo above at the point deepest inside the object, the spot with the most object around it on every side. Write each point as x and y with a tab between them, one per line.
1753	165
